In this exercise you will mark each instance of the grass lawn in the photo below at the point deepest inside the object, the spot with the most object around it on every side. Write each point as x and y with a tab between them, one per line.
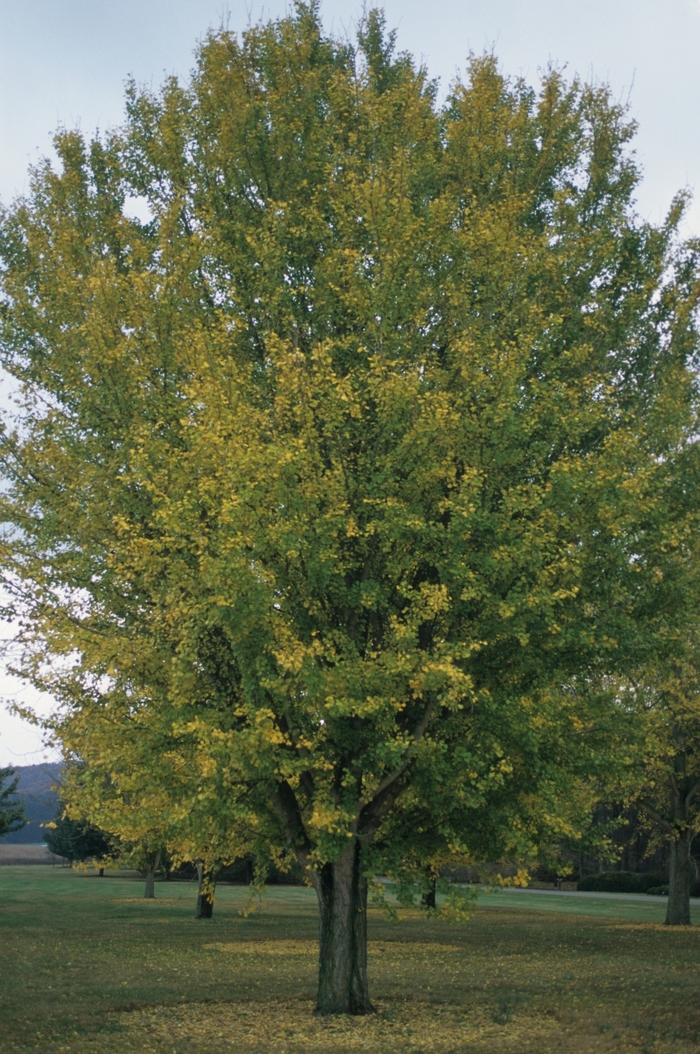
88	965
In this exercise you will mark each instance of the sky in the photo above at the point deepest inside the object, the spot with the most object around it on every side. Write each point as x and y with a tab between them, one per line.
63	63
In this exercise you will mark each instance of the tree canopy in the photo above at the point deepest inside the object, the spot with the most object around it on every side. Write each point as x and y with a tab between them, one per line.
335	480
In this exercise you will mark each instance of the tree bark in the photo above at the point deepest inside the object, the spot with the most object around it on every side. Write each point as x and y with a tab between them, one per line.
678	908
150	892
205	893
342	891
429	898
342	964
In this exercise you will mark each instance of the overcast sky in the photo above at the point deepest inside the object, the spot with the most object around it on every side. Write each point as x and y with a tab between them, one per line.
64	63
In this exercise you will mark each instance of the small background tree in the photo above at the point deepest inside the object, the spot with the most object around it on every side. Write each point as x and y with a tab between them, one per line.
78	841
11	811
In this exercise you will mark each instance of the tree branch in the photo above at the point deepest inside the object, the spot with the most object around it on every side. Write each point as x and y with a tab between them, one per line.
658	817
391	777
373	813
287	808
306	777
674	784
691	793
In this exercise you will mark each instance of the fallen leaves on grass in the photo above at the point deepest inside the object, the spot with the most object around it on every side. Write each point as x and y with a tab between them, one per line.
400	1026
660	927
281	949
416	949
290	1027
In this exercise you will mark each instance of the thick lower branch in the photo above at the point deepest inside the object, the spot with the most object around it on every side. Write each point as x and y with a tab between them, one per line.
286	806
691	794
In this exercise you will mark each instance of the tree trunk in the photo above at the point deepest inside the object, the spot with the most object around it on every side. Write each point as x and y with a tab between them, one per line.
429	898
678	909
342	962
150	892
205	893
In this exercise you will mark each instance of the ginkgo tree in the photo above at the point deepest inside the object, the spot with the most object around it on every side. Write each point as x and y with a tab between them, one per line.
356	453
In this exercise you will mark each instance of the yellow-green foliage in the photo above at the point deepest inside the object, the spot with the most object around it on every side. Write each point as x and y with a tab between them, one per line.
330	480
665	699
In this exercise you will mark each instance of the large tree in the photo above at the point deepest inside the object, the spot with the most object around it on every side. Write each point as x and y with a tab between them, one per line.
352	459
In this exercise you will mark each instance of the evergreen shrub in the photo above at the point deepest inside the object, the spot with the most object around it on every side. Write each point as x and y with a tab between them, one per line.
618	882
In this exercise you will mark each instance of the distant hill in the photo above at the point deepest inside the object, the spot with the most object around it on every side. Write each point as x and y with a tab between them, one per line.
39	800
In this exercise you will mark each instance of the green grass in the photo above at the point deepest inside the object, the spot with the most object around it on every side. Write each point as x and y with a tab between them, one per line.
88	965
651	910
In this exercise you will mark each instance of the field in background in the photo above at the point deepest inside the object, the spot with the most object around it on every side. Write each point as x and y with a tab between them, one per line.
89	965
28	854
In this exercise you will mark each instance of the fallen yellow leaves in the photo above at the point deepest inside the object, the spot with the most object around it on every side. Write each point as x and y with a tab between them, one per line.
402	1026
283	949
661	927
290	1027
462	1021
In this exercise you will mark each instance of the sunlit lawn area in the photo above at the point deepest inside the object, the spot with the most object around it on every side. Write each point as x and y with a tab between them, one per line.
88	965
